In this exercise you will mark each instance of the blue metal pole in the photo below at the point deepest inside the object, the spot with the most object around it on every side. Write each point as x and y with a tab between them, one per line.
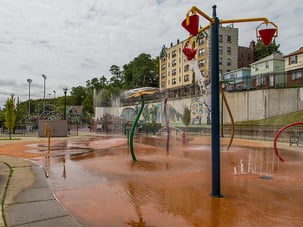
215	113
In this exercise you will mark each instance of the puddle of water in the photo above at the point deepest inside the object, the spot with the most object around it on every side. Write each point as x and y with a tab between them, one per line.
99	183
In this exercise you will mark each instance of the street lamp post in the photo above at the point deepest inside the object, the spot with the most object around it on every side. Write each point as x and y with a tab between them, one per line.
54	97
44	77
29	96
191	24
65	91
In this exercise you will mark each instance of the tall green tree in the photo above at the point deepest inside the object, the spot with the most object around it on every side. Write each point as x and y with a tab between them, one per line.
142	72
262	51
116	79
186	116
96	86
78	95
10	115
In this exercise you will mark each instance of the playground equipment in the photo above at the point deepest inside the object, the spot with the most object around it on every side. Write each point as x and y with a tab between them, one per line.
277	136
166	124
134	93
231	118
191	24
47	133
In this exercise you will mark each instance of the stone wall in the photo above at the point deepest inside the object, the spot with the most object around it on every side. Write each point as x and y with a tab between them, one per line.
246	105
260	104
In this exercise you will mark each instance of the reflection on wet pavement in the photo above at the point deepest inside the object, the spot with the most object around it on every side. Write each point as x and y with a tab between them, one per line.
99	184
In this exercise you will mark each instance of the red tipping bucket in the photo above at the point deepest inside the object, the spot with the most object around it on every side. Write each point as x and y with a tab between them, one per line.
267	35
189	53
193	26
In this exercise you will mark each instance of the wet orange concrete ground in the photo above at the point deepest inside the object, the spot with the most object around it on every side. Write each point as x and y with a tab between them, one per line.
98	183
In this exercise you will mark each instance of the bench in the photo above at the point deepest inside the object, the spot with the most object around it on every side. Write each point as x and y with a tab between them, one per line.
296	139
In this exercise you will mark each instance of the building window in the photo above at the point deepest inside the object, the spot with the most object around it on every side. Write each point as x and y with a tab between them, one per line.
201	51
173	54
173	81
293	60
259	80
174	63
220	38
201	41
186	78
296	75
186	68
228	62
220	50
201	63
228	50
271	80
229	39
220	61
173	72
267	65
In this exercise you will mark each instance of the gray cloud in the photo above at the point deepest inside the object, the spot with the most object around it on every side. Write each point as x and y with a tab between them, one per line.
72	41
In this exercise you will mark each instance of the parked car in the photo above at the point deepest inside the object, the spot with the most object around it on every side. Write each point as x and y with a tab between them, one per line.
240	87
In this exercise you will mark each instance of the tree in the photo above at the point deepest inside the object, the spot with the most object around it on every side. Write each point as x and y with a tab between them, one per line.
10	115
142	72
78	95
116	79
186	116
262	51
88	103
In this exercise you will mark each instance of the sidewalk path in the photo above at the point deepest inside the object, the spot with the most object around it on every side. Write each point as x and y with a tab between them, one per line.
27	199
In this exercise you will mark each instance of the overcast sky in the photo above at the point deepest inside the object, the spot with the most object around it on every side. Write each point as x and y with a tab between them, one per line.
72	41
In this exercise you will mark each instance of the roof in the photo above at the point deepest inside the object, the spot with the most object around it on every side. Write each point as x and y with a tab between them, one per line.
268	58
299	51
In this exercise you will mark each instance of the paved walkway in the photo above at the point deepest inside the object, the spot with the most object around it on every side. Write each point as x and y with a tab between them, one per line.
27	199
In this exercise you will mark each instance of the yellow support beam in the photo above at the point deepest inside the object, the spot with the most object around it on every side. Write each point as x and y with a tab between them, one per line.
195	10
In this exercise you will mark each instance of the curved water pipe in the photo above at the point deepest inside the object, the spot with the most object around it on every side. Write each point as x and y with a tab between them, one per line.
231	119
166	124
277	136
132	130
134	93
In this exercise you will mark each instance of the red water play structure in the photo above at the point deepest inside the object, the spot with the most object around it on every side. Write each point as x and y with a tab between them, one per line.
277	136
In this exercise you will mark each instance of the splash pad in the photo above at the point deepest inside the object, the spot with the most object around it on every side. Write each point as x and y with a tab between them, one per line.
95	180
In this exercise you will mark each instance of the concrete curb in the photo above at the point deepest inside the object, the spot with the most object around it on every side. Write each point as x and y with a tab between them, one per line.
28	200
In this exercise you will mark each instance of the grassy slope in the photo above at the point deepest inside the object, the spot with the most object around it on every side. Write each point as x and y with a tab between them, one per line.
276	120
